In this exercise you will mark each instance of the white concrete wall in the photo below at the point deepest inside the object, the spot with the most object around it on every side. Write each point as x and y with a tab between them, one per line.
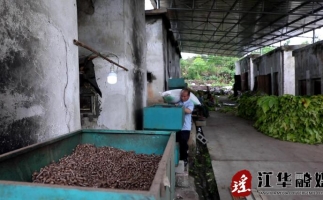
39	87
280	60
118	27
309	65
237	68
163	60
251	76
155	59
173	66
246	65
165	57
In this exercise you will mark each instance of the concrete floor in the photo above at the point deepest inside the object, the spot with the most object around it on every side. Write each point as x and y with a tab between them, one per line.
235	145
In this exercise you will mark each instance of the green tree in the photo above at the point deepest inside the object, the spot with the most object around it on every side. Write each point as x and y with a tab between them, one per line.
184	67
216	69
222	61
199	67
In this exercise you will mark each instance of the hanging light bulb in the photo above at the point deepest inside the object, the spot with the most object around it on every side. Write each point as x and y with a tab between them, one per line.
112	77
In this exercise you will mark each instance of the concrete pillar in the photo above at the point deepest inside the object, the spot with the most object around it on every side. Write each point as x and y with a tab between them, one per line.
39	71
251	75
237	68
117	27
288	73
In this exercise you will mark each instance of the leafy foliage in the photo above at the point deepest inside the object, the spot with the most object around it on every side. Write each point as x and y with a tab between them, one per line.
217	69
287	117
229	110
292	118
202	172
248	105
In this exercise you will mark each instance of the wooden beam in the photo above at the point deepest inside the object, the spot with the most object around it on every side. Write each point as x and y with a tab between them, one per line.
78	43
156	11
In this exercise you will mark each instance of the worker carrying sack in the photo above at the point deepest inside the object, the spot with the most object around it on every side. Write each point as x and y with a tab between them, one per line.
173	96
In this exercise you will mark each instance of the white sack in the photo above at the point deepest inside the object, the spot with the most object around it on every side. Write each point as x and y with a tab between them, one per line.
173	96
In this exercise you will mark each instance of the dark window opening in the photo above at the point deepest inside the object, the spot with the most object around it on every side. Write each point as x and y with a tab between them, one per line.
261	83
317	86
149	77
237	81
275	83
255	87
87	104
302	87
244	82
268	84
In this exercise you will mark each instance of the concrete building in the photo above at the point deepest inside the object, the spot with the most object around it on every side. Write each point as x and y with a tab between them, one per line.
39	71
40	85
309	69
51	87
276	71
163	56
245	72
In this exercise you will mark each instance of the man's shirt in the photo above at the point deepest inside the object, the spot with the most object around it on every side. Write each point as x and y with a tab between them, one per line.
188	117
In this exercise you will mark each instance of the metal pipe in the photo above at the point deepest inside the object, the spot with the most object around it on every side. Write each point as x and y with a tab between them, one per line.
78	43
243	11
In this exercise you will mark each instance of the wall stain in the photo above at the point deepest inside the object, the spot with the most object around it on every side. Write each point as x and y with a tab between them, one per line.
20	133
138	81
31	64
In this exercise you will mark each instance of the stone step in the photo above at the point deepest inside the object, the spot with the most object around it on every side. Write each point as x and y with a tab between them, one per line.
187	193
182	180
181	175
180	167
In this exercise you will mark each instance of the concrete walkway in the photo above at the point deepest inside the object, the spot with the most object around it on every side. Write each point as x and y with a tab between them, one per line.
235	145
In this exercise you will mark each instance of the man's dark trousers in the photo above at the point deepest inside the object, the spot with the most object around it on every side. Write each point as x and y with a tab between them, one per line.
182	138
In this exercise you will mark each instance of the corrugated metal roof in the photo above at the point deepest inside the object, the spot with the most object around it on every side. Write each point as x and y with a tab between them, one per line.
237	27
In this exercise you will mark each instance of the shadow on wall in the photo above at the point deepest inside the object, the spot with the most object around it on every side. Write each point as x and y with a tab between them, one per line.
85	6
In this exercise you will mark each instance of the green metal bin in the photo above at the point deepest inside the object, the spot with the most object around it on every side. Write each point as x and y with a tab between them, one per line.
163	117
16	167
176	83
